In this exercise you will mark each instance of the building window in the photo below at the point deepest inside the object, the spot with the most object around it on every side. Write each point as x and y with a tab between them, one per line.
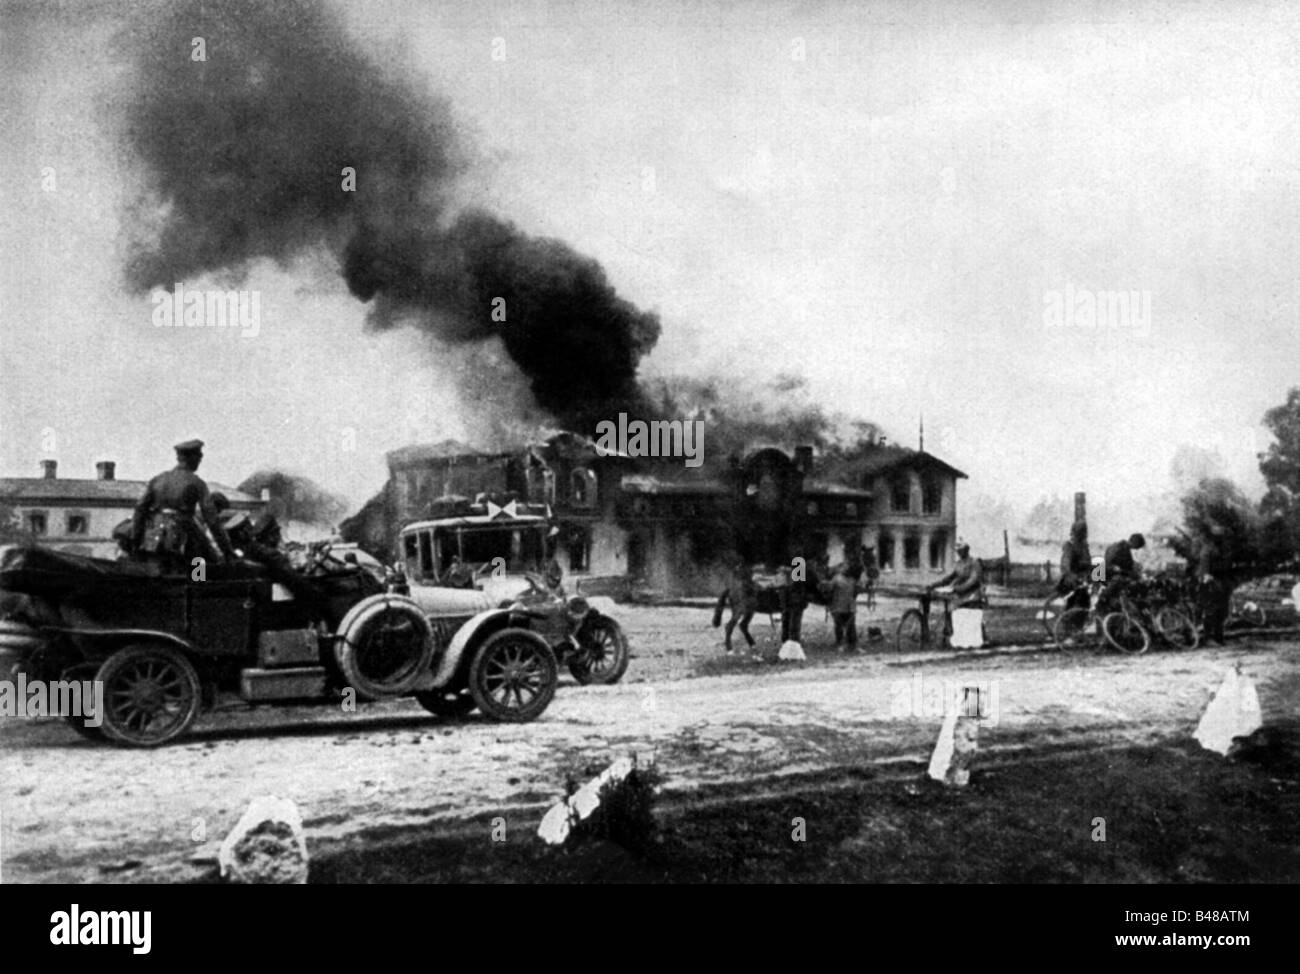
36	522
938	547
583	487
78	524
931	495
912	552
812	508
886	547
851	510
900	494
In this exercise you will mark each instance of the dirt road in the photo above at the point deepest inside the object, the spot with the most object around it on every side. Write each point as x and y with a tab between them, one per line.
74	811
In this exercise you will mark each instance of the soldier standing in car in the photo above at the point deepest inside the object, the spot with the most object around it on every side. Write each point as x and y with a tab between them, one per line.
166	529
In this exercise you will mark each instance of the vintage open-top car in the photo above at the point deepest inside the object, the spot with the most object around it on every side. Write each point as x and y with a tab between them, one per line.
164	647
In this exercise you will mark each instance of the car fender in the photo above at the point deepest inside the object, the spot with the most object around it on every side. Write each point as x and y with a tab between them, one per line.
469	635
602	604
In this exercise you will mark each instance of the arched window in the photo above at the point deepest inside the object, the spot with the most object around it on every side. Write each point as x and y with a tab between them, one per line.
582	487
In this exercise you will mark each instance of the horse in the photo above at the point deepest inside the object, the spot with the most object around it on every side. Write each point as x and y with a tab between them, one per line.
773	593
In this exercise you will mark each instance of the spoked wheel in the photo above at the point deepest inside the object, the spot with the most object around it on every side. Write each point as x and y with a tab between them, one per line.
1125	633
1177	629
513	676
911	632
151	695
1050	612
1075	630
604	656
78	673
444	704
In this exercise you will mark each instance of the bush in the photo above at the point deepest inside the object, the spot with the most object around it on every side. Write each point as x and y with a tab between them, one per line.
625	815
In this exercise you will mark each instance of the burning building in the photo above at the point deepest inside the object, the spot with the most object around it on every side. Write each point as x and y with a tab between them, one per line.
620	523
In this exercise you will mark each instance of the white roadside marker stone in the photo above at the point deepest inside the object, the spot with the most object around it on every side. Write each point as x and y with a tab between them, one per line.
1232	712
791	650
266	845
956	747
560	819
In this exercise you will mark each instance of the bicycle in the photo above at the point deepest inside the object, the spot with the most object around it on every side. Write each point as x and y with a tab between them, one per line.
1141	614
914	630
1056	604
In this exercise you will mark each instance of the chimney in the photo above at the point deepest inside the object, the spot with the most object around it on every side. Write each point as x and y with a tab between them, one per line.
803	459
105	470
50	468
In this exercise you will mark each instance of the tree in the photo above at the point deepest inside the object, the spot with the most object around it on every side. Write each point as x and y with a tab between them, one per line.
1280	465
1216	510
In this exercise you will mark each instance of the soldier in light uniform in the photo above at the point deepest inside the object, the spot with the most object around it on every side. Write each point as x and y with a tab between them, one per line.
167	528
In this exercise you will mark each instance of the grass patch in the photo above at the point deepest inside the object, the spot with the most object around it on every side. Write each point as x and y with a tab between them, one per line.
1173	814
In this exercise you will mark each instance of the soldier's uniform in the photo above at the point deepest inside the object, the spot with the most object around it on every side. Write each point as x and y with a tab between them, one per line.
1215	592
1120	570
257	539
1076	569
166	528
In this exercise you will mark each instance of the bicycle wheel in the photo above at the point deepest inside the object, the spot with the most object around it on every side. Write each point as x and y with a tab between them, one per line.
1075	630
1051	611
1125	633
911	632
1176	628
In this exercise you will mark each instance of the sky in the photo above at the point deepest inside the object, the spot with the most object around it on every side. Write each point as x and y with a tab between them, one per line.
886	199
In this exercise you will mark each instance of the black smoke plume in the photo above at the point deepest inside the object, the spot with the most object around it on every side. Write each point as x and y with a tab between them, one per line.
295	498
243	155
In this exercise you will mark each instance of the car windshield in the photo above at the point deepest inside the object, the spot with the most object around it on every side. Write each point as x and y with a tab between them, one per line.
520	548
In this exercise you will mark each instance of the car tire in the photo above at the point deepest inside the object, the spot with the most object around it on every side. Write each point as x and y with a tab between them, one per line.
513	663
605	655
445	704
384	645
152	694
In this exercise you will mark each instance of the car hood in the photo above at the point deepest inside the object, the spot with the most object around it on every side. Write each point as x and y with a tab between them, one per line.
437	601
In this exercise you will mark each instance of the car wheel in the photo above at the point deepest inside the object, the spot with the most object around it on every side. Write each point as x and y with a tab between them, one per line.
151	695
384	645
513	676
604	656
444	704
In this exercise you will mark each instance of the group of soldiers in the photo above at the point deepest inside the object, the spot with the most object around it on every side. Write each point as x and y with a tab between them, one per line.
178	520
1211	574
